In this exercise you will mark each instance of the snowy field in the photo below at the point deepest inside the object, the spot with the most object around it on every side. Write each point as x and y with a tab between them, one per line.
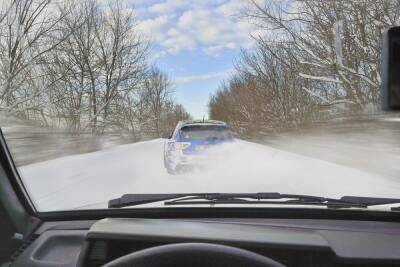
90	180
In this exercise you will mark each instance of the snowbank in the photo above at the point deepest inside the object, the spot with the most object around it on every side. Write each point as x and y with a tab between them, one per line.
86	179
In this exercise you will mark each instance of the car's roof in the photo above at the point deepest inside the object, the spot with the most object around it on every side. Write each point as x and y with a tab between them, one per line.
201	122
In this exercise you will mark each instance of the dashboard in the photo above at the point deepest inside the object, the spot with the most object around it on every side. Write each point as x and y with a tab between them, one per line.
292	242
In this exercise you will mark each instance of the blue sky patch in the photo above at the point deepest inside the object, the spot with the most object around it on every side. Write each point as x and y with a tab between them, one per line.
195	42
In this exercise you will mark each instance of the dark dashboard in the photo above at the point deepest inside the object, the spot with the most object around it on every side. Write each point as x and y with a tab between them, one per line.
292	242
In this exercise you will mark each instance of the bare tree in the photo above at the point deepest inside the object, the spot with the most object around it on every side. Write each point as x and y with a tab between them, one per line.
264	94
314	60
158	89
121	54
82	66
28	30
338	42
99	65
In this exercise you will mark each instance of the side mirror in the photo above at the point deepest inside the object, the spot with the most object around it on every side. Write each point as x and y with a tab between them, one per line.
390	72
166	135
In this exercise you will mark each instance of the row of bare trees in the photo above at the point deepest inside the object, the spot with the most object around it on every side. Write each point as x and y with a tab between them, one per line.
313	60
82	66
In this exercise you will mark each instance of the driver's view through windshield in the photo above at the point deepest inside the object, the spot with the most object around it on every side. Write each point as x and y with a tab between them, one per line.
251	103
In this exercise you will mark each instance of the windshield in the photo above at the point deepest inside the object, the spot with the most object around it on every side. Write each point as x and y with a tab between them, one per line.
205	133
104	98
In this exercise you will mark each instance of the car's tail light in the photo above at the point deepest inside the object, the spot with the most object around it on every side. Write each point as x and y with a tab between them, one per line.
181	145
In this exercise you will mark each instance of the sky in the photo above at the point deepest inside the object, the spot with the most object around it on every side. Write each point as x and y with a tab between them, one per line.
195	43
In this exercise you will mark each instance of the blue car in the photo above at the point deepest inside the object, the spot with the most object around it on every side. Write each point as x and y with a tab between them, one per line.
185	148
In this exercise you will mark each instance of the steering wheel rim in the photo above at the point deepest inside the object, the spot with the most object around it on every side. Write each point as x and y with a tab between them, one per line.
193	255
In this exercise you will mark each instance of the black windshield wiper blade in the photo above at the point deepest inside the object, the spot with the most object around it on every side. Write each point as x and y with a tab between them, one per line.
292	199
373	201
138	199
247	198
370	201
265	198
262	198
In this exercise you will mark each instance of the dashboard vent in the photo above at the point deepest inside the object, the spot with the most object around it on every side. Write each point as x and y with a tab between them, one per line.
97	254
22	248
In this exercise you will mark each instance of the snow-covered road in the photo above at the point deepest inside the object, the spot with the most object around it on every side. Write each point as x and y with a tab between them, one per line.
86	179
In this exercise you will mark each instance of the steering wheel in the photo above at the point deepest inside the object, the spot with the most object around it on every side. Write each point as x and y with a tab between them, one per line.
193	255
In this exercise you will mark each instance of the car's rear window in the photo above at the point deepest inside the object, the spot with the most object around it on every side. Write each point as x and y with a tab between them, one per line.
205	132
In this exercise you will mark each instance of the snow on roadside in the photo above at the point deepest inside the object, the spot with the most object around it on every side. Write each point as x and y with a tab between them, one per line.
85	179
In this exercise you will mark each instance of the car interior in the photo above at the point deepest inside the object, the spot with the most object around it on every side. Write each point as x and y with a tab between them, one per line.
199	236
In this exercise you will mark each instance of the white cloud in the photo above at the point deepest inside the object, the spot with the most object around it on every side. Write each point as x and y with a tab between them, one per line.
215	49
210	26
158	55
202	77
167	6
151	27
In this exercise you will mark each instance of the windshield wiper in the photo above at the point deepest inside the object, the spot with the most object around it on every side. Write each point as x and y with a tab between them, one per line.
373	201
232	198
263	198
291	199
139	199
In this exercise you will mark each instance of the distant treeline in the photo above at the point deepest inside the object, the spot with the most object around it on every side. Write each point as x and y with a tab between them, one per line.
82	65
313	60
